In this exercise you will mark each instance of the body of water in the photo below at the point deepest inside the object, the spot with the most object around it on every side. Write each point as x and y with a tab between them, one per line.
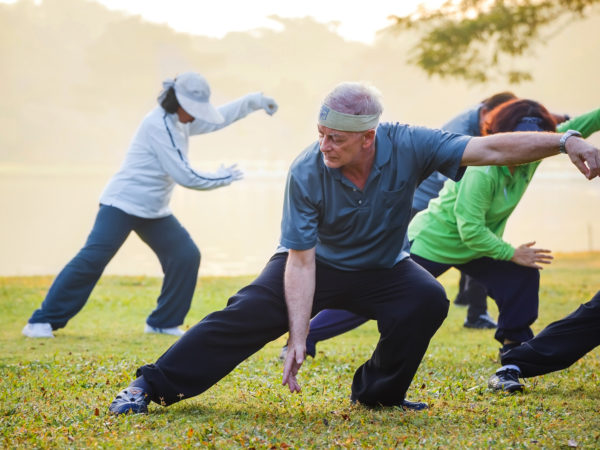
47	214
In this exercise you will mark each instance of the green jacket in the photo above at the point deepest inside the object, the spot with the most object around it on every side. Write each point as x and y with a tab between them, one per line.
467	220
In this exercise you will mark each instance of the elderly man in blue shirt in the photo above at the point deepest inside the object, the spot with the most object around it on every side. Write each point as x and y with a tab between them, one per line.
346	209
333	322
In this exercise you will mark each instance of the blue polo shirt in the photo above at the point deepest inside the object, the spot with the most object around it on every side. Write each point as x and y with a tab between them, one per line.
355	229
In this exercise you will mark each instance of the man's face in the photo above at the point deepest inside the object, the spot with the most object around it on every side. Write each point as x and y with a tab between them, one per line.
339	148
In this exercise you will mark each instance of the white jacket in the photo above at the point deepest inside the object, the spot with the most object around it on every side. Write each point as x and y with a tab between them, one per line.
157	159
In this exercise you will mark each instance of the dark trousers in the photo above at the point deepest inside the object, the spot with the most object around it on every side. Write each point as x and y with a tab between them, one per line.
179	258
514	288
329	323
407	302
473	294
561	343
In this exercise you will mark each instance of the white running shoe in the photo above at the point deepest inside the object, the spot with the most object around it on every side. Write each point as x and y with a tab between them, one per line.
38	330
175	331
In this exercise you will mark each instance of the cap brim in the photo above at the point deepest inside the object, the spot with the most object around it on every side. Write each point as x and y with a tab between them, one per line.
200	110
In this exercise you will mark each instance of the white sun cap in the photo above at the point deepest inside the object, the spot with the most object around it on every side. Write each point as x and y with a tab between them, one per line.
193	94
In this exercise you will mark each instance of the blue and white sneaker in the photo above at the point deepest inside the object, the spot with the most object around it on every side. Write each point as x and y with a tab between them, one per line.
175	331
38	330
506	379
131	399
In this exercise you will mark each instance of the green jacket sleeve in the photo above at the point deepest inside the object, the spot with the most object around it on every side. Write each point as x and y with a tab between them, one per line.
474	198
587	124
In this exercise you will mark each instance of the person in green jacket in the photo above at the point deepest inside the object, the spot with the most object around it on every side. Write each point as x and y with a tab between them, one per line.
463	227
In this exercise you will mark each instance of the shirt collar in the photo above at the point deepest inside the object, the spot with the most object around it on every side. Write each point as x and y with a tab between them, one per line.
383	147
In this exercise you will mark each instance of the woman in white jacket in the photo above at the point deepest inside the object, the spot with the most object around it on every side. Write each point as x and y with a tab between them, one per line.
137	199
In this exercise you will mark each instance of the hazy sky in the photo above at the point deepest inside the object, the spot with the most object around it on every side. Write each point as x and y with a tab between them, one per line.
216	18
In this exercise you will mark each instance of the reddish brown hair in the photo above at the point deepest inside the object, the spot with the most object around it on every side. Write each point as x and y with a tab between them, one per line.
504	118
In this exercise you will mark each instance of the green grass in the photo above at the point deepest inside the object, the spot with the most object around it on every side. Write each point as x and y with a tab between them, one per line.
55	393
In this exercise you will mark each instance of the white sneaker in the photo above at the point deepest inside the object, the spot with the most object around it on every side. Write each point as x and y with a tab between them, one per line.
38	330
175	331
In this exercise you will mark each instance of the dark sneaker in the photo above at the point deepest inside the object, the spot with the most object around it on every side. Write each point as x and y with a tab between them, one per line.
505	380
132	399
414	406
405	404
484	321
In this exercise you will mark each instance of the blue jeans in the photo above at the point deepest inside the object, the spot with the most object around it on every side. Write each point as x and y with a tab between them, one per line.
330	323
178	255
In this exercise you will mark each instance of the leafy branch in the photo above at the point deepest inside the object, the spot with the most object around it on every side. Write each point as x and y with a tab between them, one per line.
470	39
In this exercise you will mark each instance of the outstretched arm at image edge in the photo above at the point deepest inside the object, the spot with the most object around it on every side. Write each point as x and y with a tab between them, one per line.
505	149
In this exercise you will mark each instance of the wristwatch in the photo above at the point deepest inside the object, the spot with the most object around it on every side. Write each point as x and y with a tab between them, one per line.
563	139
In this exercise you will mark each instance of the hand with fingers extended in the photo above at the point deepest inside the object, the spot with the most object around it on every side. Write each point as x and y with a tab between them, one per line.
293	361
528	256
230	171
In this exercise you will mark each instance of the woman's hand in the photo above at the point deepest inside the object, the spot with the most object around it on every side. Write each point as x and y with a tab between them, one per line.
269	105
528	256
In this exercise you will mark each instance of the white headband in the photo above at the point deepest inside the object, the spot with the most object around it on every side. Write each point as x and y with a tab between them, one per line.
333	119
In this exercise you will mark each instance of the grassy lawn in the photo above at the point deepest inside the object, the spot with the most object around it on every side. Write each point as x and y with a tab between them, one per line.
55	392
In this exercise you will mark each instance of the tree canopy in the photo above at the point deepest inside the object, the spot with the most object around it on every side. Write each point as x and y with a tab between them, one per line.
478	40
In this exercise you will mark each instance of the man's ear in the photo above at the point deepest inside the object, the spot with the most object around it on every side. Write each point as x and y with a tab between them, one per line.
368	138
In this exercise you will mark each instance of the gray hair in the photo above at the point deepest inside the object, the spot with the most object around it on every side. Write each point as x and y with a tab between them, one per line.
357	98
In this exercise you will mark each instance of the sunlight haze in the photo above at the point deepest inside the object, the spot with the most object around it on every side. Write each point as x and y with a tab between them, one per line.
215	19
78	77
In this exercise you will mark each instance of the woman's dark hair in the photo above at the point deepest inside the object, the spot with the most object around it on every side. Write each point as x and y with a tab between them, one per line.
169	103
497	99
504	118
